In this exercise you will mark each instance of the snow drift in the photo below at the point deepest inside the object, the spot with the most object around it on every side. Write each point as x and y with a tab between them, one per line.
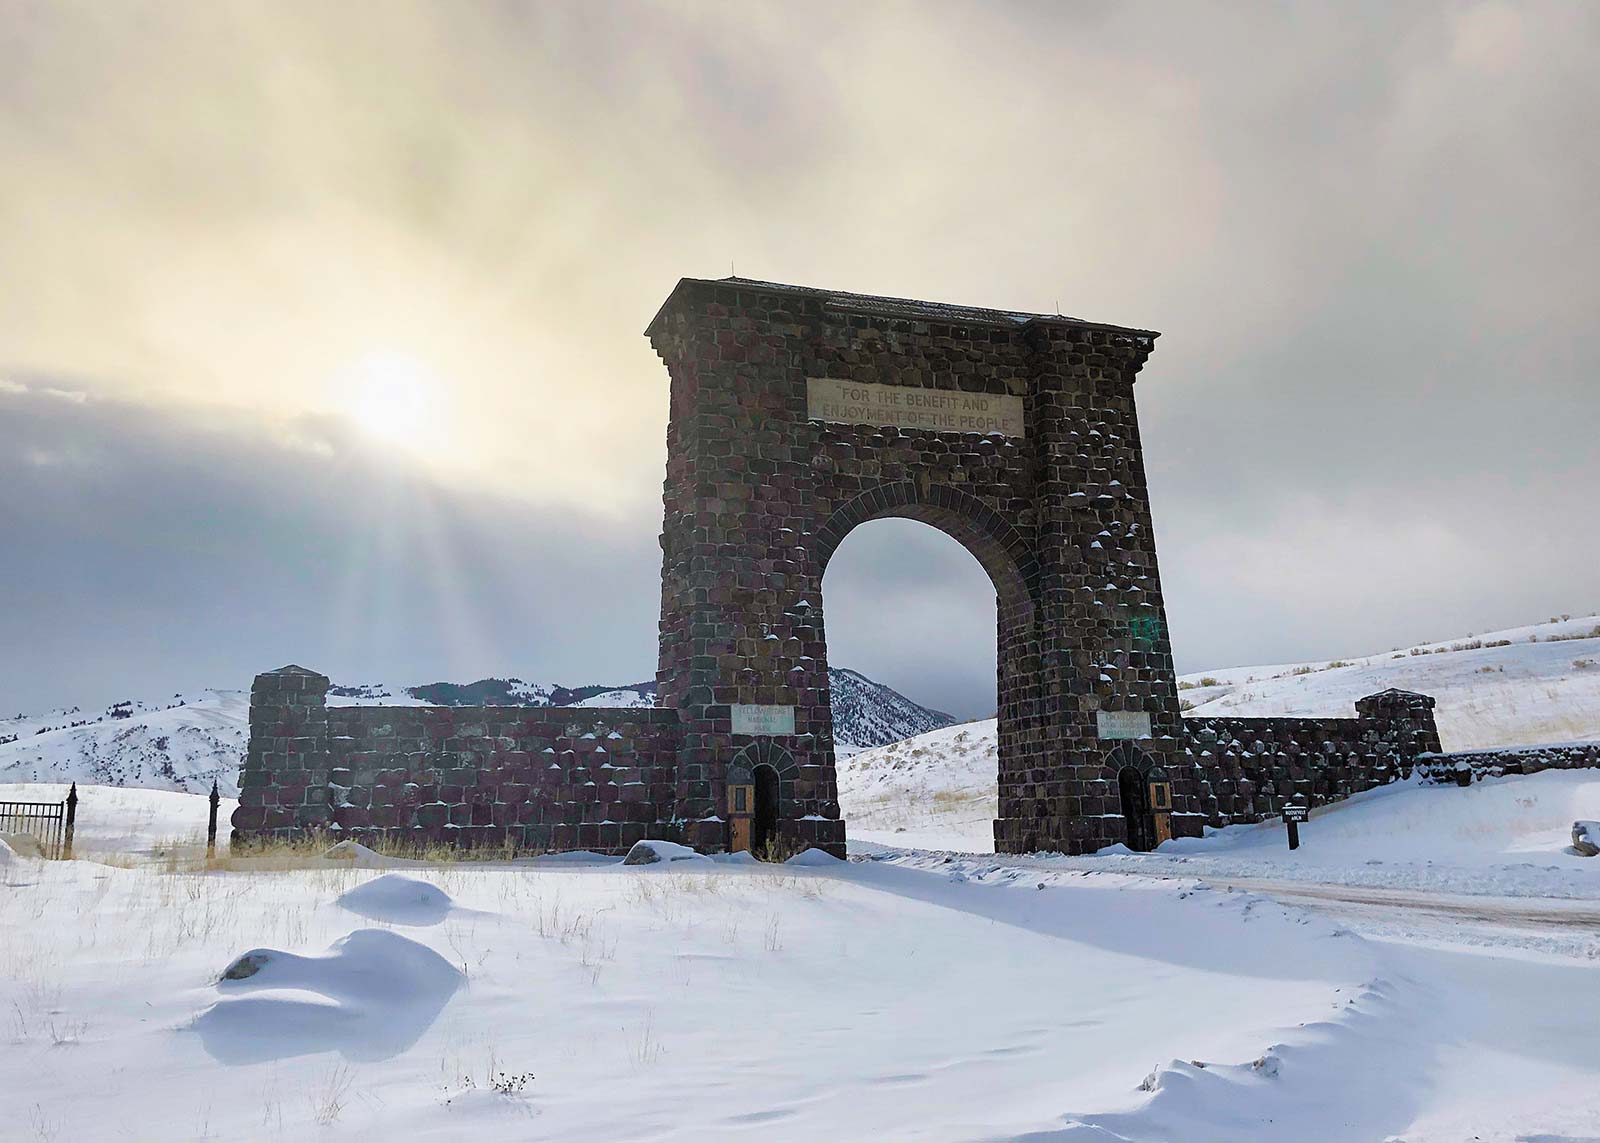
369	997
398	900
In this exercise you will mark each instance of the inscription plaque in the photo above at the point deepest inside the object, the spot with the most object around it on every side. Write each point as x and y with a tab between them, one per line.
905	407
752	719
1122	723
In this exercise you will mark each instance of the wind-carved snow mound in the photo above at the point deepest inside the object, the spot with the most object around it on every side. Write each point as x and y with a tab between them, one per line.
398	900
8	856
813	857
376	992
1202	1101
354	852
649	852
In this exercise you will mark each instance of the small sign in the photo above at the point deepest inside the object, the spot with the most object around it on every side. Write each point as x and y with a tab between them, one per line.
1296	813
1122	723
753	719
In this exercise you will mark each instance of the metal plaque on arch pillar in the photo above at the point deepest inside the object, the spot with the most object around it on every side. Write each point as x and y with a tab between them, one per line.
762	719
912	407
1122	723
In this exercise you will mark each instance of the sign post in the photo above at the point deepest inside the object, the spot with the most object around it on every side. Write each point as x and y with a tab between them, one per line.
1293	815
211	826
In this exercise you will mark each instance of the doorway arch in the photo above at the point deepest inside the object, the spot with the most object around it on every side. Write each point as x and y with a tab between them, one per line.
759	801
1136	809
1136	775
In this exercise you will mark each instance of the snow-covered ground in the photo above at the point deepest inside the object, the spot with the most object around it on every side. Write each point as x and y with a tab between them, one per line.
115	820
912	997
1492	864
1542	684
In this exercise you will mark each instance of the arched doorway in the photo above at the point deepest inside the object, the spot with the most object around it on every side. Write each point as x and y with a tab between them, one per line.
1136	809
764	820
760	791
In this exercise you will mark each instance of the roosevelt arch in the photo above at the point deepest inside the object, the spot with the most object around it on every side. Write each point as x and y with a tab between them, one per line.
797	414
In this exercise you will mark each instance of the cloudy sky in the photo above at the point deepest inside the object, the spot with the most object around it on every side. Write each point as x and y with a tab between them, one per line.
320	323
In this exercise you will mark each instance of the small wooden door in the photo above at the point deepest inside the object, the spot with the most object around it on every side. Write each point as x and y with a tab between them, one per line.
741	806
1161	810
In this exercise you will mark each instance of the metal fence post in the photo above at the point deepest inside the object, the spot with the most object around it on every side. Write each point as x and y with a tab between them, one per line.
72	817
211	828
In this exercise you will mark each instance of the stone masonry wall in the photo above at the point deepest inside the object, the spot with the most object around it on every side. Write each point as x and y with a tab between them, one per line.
537	778
1467	766
1246	769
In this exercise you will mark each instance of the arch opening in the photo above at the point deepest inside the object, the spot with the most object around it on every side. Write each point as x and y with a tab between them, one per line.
946	790
1136	809
764	815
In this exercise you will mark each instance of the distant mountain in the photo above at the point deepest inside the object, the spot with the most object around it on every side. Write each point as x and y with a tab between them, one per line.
494	692
185	742
867	714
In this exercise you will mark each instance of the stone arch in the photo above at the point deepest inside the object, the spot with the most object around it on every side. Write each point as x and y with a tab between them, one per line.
797	414
1126	754
765	752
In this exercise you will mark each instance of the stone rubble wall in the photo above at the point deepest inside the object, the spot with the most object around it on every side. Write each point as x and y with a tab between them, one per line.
1464	767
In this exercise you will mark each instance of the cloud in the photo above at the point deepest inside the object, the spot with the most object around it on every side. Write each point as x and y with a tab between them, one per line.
1367	231
162	552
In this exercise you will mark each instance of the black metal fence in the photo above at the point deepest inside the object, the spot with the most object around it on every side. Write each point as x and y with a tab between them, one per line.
49	823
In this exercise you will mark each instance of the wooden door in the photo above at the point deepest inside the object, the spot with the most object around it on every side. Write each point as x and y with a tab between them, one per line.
741	803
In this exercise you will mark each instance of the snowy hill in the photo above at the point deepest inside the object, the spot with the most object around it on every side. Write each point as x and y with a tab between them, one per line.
188	740
1522	686
1515	687
492	692
180	744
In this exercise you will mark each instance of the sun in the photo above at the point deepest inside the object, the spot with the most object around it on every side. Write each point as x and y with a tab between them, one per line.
391	397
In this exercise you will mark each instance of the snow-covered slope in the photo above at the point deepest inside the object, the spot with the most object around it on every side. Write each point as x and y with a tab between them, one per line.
492	692
180	744
190	740
1520	686
934	791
